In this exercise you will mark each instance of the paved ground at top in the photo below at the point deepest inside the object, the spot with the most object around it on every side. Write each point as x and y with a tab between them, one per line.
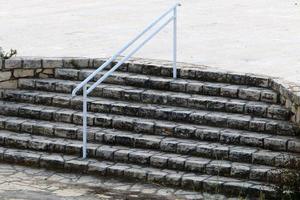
259	36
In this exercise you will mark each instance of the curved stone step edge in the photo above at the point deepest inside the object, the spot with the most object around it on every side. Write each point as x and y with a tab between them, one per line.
134	94
184	147
239	121
156	159
156	127
152	175
184	70
176	85
63	99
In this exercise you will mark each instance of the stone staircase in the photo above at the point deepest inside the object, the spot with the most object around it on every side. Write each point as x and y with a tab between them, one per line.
199	132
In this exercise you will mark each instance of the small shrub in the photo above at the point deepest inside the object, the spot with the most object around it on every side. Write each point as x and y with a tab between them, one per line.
6	55
289	187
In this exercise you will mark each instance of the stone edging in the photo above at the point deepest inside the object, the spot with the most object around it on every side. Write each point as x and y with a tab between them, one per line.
43	67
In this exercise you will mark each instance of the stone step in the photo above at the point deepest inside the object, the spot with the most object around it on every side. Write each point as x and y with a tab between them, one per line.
221	119
193	181
165	69
211	150
200	102
150	111
148	126
211	118
175	85
153	127
98	104
145	157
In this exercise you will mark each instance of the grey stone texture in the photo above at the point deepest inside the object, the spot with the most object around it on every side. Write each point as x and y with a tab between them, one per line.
205	131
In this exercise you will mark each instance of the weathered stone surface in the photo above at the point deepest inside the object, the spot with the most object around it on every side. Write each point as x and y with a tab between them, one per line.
11	84
33	63
76	62
4	76
13	63
224	133
294	145
52	62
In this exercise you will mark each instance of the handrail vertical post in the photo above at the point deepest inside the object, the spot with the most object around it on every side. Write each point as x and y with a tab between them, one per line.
175	43
171	13
84	122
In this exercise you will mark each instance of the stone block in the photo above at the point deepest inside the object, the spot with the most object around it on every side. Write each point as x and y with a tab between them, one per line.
76	62
212	134
211	89
193	181
249	94
26	83
276	143
13	63
186	148
269	96
32	63
229	91
241	154
122	155
140	157
235	106
5	76
194	87
11	84
160	160
177	162
156	176
106	152
140	174
117	170
240	170
52	161
98	168
196	165
218	167
52	62
294	145
148	141
77	165
178	85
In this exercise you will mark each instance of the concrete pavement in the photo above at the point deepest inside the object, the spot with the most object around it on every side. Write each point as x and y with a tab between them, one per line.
258	36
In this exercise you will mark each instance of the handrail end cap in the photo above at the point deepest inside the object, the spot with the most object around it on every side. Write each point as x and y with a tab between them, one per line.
73	94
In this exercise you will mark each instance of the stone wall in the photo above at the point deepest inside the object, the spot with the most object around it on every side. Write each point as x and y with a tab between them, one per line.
26	67
15	68
289	96
29	67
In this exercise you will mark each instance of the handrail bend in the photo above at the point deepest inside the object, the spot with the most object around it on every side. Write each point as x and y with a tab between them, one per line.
83	85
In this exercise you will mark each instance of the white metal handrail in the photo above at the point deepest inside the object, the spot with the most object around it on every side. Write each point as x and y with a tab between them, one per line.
83	84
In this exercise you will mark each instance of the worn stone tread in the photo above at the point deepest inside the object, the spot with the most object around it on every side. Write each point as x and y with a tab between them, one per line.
167	144
184	70
135	94
177	85
144	157
206	130
100	104
194	181
148	126
211	118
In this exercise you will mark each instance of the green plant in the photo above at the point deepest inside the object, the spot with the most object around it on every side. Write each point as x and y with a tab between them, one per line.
6	55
